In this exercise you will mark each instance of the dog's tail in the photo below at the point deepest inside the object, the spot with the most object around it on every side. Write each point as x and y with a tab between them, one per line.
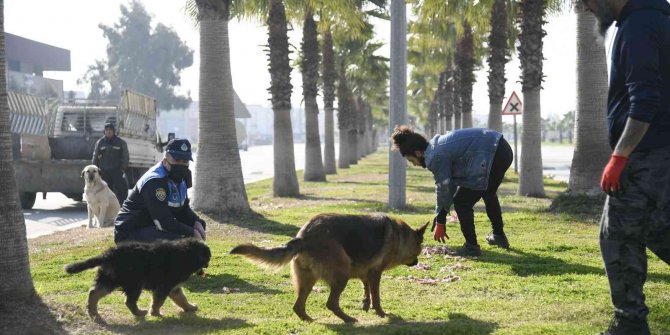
273	258
84	265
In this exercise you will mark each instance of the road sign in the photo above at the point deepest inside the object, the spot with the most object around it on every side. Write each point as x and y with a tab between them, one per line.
514	106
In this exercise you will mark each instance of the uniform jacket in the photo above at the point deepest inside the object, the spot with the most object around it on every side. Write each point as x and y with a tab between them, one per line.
110	154
157	200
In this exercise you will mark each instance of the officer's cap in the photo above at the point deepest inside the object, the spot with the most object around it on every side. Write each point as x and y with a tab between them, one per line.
179	148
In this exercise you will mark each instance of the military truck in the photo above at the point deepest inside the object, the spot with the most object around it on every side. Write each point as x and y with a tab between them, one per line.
52	141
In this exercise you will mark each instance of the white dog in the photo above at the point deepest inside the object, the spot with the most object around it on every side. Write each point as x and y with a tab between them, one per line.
101	200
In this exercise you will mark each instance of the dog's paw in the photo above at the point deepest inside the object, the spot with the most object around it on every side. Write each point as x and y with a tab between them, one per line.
190	308
365	304
380	312
156	313
349	319
141	313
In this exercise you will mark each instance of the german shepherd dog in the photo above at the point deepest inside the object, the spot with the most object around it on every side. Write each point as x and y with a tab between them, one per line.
338	247
160	267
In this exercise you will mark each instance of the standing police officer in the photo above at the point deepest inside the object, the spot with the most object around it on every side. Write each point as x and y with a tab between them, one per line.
158	205
111	156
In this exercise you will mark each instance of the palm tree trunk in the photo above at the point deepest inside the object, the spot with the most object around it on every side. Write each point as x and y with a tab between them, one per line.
531	182
285	181
467	65
591	145
343	161
343	111
457	105
329	74
219	184
354	123
310	75
16	284
369	133
497	60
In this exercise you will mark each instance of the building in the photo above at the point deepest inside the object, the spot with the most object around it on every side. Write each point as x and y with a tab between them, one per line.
184	123
26	62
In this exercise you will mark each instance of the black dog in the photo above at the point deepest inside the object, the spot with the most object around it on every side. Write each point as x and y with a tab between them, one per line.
160	267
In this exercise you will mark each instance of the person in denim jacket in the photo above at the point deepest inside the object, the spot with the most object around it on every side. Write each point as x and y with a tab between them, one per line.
468	165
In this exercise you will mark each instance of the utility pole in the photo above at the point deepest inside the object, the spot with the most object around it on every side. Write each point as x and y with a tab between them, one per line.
398	113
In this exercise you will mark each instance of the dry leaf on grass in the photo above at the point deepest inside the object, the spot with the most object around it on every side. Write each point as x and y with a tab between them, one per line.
422	266
437	250
228	290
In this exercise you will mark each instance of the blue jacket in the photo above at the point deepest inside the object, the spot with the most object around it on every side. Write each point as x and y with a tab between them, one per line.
156	200
460	158
640	72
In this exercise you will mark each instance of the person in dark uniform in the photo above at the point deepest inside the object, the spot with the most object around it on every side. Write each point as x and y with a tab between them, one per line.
111	156
158	206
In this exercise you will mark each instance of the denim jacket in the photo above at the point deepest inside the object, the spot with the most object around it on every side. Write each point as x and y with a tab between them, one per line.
462	158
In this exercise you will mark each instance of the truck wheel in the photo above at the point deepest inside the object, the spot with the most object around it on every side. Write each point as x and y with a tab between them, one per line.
27	199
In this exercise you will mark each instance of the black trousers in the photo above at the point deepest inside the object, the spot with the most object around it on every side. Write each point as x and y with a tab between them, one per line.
465	199
116	182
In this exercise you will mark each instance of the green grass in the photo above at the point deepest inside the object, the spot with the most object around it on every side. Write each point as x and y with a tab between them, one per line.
551	282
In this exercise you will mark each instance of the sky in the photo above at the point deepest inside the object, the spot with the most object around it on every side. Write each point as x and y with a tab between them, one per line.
73	25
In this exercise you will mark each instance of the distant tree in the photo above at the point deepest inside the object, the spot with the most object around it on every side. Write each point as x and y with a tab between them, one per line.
139	57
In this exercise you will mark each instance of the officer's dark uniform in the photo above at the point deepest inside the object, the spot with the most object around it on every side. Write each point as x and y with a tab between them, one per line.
158	207
639	217
111	156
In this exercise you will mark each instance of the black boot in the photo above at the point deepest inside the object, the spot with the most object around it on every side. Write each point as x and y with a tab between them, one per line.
624	326
469	250
499	240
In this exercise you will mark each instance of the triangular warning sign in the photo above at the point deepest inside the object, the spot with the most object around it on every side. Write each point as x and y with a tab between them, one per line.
514	106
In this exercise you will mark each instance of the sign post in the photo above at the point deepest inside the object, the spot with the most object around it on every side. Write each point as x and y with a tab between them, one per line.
514	107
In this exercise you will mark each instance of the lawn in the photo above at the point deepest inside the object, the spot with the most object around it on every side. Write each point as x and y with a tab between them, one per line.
551	282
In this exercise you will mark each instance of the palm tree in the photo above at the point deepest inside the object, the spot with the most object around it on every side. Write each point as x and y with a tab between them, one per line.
329	74
345	118
466	64
16	284
347	14
591	146
310	75
498	57
530	55
219	184
285	181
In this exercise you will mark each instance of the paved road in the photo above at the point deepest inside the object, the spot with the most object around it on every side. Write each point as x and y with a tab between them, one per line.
58	212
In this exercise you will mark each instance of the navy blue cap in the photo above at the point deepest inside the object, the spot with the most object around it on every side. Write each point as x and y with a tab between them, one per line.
110	125
179	148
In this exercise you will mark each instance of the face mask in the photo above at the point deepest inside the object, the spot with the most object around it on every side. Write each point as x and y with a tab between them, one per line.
178	172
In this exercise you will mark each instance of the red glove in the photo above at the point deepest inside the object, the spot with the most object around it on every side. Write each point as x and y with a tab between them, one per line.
610	181
441	233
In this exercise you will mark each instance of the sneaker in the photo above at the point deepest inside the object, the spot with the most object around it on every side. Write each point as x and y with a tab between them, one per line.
623	326
499	240
469	250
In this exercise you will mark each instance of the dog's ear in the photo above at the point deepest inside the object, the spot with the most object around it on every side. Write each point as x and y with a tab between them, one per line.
422	230
82	172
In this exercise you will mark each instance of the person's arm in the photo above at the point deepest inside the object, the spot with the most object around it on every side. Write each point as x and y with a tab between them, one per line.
631	137
96	161
155	194
125	155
